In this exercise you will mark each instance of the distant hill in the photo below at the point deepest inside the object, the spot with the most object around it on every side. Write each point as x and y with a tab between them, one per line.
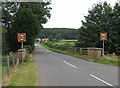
63	33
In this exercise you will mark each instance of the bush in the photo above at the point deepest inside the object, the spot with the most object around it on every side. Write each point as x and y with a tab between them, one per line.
28	48
64	46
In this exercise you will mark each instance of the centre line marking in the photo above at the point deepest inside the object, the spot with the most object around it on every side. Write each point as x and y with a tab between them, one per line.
70	64
102	80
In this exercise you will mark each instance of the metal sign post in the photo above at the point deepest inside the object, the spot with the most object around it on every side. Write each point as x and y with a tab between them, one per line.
103	47
22	38
103	37
22	45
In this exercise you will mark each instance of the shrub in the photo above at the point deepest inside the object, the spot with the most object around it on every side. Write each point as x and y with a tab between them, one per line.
28	48
64	46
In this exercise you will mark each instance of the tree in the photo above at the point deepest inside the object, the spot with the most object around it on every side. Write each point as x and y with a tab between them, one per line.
100	19
9	10
40	9
25	22
24	17
115	34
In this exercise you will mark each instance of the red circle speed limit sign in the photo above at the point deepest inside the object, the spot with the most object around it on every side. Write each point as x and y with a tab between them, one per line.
103	36
21	37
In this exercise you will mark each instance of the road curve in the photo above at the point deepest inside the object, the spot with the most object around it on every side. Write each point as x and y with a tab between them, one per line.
56	69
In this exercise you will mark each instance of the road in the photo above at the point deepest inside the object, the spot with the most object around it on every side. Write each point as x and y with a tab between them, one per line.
56	69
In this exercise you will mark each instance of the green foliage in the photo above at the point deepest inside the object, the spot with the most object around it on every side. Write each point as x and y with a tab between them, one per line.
24	17
10	9
107	61
101	18
64	46
28	48
5	47
25	75
25	22
58	33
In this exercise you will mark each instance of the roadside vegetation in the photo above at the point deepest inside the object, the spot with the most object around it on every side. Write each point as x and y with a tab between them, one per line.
101	18
68	47
59	33
26	75
21	17
23	75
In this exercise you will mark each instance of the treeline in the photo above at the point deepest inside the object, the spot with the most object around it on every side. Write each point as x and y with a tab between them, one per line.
101	18
59	33
22	17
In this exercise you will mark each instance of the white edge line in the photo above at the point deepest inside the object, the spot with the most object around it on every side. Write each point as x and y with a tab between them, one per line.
70	64
101	80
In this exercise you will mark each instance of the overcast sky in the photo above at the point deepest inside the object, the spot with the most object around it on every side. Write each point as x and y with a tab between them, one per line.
69	13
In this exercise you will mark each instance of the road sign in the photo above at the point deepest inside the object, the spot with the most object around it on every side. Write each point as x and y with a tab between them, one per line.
21	37
103	36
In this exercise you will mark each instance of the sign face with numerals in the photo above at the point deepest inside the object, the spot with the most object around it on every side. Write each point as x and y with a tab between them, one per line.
103	36
21	37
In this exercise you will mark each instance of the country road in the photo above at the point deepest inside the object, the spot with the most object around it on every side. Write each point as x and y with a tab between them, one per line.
56	69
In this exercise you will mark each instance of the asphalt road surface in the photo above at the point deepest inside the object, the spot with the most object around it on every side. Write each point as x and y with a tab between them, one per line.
56	69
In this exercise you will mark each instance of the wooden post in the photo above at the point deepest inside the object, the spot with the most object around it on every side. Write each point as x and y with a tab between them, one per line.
17	63
13	58
8	66
75	49
80	51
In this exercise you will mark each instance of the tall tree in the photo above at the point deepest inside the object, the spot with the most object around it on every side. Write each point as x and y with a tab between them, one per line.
25	22
24	17
115	33
100	19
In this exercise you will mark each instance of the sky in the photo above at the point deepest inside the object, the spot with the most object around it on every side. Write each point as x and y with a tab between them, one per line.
69	13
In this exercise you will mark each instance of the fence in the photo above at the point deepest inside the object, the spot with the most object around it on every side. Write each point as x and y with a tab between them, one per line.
13	60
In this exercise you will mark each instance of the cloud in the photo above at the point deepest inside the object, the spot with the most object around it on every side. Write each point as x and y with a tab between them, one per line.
69	13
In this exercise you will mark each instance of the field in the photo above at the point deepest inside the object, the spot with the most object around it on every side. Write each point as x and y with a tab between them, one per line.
62	42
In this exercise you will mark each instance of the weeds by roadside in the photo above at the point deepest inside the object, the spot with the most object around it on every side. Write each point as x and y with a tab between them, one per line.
104	60
24	75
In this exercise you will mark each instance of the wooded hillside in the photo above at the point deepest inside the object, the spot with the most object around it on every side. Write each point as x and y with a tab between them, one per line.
59	33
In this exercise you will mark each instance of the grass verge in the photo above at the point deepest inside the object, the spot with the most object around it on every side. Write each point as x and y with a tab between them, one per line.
53	49
104	60
25	75
108	60
62	51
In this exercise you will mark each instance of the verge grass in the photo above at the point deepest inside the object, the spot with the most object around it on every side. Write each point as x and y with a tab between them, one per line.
104	60
24	75
108	60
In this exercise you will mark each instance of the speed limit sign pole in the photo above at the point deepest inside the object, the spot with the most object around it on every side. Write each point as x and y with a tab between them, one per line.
103	37
22	44
22	38
103	47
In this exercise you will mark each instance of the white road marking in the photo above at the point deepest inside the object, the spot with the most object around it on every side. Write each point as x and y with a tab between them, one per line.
70	64
101	80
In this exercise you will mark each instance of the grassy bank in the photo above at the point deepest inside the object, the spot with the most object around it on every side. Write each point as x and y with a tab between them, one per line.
105	60
25	75
108	60
54	49
68	52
